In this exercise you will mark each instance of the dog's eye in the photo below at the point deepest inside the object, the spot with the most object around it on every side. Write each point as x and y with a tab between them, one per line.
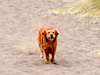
48	32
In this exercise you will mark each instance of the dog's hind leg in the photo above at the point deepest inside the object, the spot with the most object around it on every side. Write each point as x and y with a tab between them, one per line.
41	53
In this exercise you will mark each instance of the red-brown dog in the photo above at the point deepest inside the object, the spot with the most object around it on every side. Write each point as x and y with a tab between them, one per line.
48	42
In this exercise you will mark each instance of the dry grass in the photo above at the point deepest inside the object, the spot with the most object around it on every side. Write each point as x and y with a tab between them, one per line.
82	7
86	8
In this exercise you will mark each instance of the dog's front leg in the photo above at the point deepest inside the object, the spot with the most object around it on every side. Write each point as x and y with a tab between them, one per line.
53	55
47	56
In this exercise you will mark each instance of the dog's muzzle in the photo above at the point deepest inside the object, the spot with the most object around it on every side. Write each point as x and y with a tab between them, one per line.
51	36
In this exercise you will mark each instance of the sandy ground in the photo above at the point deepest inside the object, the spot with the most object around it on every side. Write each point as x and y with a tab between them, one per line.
78	51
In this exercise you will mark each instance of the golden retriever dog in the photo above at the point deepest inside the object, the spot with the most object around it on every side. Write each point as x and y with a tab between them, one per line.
47	40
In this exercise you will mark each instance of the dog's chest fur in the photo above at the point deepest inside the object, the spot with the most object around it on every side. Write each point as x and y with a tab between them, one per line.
49	49
48	46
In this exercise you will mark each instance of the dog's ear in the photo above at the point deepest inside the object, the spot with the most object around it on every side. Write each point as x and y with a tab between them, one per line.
56	32
44	32
44	35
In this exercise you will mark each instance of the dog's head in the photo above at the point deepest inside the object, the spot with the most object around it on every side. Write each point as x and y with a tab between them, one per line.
50	34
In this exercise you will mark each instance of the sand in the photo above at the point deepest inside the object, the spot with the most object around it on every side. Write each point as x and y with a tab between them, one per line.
78	51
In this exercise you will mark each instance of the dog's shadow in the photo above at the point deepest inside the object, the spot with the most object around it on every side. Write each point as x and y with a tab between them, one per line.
60	63
37	61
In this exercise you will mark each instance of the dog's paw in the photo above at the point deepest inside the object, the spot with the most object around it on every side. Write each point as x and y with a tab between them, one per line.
47	62
41	56
53	62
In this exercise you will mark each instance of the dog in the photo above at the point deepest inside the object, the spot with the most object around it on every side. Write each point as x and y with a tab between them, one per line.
47	40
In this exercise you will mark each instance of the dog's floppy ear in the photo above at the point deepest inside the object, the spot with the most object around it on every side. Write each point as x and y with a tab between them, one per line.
56	32
43	32
44	35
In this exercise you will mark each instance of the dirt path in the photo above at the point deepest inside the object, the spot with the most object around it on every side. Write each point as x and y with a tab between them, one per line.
78	52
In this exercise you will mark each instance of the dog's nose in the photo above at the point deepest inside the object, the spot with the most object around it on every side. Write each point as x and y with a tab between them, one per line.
51	36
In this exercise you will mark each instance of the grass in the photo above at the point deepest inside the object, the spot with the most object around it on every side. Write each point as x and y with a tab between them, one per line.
82	7
86	8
